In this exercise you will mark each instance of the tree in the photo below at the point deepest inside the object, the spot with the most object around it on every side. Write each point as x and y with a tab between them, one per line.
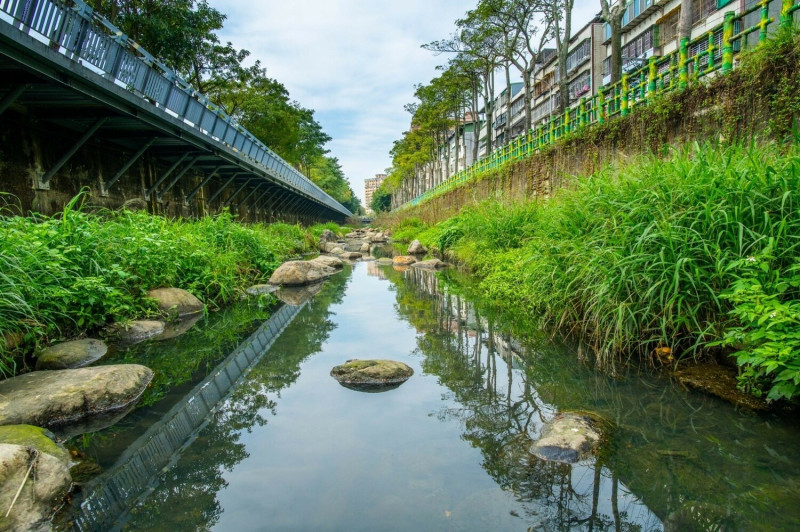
524	29
612	15
560	15
381	200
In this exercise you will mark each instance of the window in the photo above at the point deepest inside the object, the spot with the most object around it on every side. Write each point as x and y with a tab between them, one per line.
701	9
580	86
579	54
723	3
669	27
635	50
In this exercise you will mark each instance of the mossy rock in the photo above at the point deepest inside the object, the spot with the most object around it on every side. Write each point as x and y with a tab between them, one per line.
721	382
372	375
85	471
72	354
36	437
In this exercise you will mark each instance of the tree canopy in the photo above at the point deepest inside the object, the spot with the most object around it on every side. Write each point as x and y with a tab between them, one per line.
183	35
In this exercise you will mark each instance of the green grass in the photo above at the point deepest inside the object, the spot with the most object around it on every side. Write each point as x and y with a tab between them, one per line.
647	254
74	272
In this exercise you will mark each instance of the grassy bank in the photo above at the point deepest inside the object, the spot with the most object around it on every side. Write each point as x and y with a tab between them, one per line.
697	252
64	275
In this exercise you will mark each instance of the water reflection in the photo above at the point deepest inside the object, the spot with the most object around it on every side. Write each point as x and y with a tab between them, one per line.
695	461
292	450
501	410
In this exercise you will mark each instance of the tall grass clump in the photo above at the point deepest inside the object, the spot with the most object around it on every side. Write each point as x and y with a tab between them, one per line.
680	253
62	275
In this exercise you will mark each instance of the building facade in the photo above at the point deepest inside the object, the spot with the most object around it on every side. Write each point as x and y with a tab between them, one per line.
370	186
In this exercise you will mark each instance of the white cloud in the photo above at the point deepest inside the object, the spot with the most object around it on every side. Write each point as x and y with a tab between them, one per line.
354	62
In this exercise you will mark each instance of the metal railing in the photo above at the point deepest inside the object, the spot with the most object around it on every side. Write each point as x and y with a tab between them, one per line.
89	39
693	60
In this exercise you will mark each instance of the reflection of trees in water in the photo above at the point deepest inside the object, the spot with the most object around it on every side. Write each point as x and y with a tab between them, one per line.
499	407
693	459
193	483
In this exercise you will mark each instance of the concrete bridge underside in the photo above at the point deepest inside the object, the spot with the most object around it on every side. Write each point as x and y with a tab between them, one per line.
65	127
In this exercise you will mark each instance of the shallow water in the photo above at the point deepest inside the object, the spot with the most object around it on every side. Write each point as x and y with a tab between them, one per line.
288	448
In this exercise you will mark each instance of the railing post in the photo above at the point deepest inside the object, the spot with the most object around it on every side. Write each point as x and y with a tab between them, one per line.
762	34
651	77
727	44
624	96
601	107
786	15
710	52
582	115
683	64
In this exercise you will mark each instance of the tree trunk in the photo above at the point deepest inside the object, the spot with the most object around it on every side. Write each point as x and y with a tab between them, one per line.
616	49
507	126
526	78
685	20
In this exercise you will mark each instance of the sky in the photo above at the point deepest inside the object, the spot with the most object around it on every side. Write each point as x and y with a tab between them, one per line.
354	62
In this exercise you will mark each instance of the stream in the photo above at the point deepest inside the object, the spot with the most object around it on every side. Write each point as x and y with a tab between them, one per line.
245	429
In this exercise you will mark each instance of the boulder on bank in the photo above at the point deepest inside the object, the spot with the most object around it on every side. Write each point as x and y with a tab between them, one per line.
416	248
299	273
568	438
378	237
40	496
72	354
56	398
36	437
350	255
336	250
365	247
403	260
176	302
372	375
385	261
329	247
133	332
430	264
326	237
330	262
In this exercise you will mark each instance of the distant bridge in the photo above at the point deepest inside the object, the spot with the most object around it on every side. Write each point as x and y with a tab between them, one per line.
81	104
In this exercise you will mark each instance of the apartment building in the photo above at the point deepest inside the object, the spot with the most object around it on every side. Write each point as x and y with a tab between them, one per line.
584	62
649	29
370	186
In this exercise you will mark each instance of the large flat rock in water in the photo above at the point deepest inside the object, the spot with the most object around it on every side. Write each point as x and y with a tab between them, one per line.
372	374
568	438
719	381
54	398
300	272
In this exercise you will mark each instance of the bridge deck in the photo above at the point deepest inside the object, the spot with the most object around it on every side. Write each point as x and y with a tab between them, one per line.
65	69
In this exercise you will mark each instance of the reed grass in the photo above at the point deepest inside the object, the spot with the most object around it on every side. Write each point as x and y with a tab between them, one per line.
638	256
66	274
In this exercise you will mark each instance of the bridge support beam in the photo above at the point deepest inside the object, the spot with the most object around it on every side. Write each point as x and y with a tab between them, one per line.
160	195
11	97
43	182
164	176
219	191
104	188
195	190
244	200
230	198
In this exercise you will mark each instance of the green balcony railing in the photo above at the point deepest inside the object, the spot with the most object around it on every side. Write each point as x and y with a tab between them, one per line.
693	60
